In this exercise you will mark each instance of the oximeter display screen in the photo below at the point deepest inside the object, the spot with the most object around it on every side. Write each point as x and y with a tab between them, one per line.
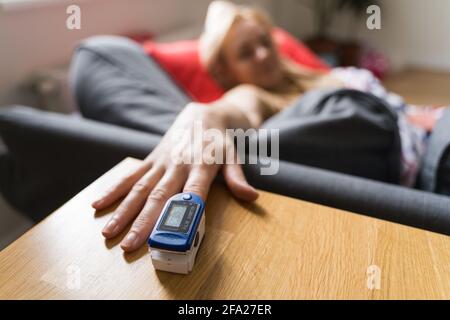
178	216
175	216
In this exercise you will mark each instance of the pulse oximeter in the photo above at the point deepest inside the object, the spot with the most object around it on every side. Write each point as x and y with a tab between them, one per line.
178	233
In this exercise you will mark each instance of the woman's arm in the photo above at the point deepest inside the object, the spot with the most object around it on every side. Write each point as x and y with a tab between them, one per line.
146	189
247	106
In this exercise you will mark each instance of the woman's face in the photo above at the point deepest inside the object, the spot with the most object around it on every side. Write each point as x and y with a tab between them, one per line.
250	55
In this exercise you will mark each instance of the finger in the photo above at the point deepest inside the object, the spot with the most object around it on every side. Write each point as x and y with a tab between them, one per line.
237	183
133	202
200	179
170	184
121	188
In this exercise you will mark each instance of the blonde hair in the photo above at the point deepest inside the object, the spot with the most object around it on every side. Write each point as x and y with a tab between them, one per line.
221	17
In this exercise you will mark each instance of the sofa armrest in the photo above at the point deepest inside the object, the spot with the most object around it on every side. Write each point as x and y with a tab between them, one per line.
50	157
359	195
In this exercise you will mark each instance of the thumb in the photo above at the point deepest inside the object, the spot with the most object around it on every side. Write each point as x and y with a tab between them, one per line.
236	182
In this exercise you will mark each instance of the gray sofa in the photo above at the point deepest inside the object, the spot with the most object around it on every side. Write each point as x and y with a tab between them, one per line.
50	157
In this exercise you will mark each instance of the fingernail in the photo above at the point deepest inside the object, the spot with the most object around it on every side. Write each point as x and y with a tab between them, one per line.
96	203
130	240
110	227
255	194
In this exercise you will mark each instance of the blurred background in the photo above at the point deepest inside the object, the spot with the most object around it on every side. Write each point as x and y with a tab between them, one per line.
410	53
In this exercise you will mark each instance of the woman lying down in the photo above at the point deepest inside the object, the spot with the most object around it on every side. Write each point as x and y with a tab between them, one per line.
238	50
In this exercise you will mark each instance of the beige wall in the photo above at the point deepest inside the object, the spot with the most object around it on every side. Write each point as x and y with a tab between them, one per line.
35	37
414	32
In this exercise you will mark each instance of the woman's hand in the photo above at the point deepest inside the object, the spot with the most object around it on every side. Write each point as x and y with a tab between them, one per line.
162	175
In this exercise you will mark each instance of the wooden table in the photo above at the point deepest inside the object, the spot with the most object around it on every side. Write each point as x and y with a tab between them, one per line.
278	248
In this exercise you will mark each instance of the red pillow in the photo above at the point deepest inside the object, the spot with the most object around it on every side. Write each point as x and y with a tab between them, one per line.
181	61
295	50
